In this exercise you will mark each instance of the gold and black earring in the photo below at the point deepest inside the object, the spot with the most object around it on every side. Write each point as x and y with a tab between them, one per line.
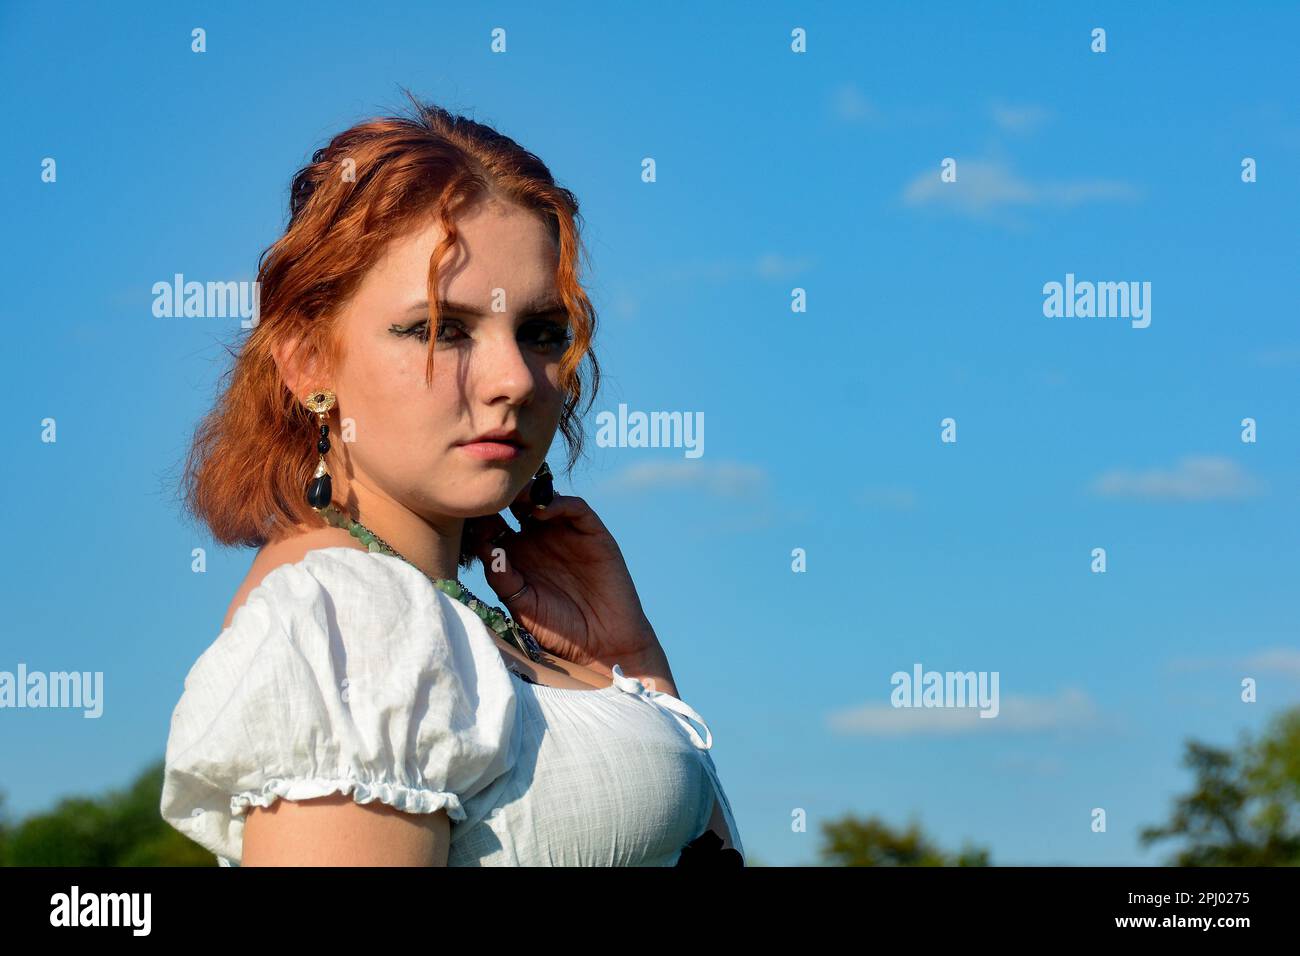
320	492
542	492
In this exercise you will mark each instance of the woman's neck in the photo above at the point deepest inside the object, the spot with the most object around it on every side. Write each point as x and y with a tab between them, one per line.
433	546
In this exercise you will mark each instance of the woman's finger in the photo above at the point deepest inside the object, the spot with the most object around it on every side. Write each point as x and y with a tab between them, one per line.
491	539
580	514
560	506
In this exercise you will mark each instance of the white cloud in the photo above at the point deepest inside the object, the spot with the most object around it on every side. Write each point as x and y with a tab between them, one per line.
982	186
851	105
1019	119
769	265
1282	661
1277	660
720	478
624	305
773	266
1069	709
1194	478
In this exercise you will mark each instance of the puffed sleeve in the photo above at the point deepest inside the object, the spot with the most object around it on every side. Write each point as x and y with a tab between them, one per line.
346	672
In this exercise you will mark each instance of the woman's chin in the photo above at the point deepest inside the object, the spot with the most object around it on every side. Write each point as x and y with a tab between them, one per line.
490	502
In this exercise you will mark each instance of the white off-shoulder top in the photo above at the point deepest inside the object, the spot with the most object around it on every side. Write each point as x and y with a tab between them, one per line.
349	672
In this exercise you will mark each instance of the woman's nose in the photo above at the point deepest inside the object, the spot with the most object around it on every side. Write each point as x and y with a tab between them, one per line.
503	369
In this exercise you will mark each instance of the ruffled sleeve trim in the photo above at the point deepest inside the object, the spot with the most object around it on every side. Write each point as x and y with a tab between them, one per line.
405	799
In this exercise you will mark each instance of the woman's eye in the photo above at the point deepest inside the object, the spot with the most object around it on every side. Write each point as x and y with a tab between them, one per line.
547	336
444	331
550	335
420	331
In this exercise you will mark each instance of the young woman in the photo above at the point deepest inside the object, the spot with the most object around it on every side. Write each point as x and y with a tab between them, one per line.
421	332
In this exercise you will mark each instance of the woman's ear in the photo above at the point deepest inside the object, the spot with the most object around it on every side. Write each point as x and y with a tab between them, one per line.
300	366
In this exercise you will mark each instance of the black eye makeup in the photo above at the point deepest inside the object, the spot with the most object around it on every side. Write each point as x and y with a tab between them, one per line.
545	335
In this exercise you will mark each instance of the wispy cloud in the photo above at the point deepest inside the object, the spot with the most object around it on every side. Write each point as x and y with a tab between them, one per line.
1277	660
770	265
1193	478
851	105
719	478
773	266
622	304
1070	709
1281	661
1019	119
983	186
746	486
848	104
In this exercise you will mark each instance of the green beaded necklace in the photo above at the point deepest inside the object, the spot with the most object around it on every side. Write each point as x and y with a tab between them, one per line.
493	617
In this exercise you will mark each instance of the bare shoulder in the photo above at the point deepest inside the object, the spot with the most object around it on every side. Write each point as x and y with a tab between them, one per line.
286	550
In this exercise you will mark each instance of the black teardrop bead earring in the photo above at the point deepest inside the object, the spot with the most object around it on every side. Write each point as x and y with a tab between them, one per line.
542	492
320	492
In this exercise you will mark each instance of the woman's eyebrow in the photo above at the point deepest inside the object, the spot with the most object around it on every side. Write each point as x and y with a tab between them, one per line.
543	307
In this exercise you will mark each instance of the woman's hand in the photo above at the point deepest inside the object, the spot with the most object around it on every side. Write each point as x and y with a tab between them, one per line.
581	604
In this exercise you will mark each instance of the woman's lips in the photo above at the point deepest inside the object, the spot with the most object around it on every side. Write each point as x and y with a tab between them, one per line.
491	450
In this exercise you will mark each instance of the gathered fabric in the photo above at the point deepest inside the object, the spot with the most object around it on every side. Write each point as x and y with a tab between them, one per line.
349	672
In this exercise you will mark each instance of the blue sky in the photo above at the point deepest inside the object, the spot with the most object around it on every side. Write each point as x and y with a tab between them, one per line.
775	171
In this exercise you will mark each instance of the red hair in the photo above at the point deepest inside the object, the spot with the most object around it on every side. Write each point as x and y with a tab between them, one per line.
253	455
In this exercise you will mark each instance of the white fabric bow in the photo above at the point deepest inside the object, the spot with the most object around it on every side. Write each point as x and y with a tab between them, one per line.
682	712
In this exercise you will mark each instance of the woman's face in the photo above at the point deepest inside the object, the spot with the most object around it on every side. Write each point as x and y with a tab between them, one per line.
492	369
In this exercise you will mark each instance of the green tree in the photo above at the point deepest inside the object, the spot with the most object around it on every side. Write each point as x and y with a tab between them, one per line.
1245	808
851	841
122	828
4	832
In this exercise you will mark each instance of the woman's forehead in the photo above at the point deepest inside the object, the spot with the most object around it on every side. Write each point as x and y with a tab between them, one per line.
512	257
